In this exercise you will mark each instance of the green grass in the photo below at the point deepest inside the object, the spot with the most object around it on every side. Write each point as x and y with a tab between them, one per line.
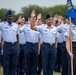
57	73
1	72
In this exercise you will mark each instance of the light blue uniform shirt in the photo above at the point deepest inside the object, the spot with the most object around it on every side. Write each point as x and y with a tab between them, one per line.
9	32
62	29
48	34
0	36
22	39
60	36
30	35
73	32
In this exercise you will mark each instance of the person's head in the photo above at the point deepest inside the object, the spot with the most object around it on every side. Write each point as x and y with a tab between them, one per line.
40	22
48	20
23	21
67	19
19	22
26	21
9	16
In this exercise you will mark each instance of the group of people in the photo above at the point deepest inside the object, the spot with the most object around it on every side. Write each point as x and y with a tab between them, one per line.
31	45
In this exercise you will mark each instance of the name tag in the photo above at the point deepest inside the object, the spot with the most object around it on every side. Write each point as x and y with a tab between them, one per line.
27	31
6	28
59	31
54	31
45	31
74	28
15	29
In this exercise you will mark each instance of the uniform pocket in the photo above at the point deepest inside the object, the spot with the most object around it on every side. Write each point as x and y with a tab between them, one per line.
14	29
45	31
6	28
28	31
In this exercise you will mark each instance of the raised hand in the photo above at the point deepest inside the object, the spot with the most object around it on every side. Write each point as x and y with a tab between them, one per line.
55	17
59	18
39	16
33	14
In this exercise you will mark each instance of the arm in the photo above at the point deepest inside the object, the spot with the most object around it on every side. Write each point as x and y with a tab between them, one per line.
18	41
56	42
33	14
55	19
32	24
2	43
38	18
68	47
17	38
39	44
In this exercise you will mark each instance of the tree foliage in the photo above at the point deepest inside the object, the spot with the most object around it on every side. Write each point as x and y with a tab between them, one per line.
26	11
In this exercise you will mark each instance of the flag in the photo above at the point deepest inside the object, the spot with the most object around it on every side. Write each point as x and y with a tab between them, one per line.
70	10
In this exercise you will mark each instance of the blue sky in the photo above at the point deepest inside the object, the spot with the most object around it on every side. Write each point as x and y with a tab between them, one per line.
16	5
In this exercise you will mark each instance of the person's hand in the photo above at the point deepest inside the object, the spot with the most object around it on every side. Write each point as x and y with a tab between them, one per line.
71	55
70	22
59	19
39	16
33	14
55	17
19	19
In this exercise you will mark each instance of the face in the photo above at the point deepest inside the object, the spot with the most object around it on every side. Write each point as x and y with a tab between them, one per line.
9	18
67	21
49	21
23	22
40	22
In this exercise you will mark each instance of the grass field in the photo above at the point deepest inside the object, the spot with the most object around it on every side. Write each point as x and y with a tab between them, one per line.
1	72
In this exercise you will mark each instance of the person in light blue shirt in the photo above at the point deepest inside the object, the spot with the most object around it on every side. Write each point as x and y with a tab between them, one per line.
49	39
10	47
22	42
60	39
72	53
63	28
0	46
31	48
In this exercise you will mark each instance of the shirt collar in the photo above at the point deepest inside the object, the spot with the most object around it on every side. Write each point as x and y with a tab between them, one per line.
50	26
9	24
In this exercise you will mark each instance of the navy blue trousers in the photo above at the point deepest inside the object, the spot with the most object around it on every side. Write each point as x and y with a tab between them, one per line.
21	60
0	53
74	52
74	62
39	66
64	60
31	56
48	53
10	57
58	64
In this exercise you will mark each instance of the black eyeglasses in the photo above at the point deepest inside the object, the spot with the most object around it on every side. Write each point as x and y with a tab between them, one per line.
19	22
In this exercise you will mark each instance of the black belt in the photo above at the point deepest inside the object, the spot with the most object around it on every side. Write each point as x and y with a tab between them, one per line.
22	44
74	42
60	42
31	43
10	42
51	44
